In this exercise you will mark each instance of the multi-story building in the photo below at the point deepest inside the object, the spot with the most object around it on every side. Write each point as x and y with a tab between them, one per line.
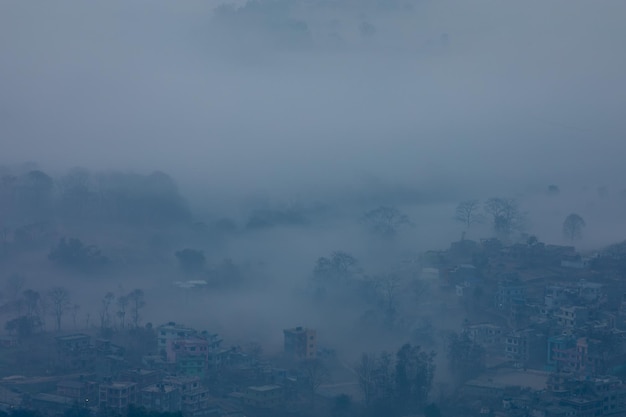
161	397
117	396
79	391
194	396
141	377
525	348
191	355
167	334
74	352
484	334
300	343
572	317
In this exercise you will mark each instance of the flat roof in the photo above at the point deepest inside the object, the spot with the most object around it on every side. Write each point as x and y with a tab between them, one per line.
264	387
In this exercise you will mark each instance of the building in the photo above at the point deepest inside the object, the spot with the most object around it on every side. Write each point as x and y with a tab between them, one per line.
161	398
264	396
191	355
141	377
79	391
572	317
525	348
300	343
117	396
74	352
167	334
194	396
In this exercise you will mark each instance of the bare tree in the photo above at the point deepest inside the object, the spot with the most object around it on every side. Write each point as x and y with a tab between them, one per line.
506	215
137	302
105	315
75	309
60	299
467	212
122	303
366	373
386	221
573	227
388	286
316	374
31	302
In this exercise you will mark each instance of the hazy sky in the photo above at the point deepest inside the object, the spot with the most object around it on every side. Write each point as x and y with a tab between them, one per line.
279	93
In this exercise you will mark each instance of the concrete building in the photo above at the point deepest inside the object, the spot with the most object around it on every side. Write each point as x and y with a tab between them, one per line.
161	397
572	317
167	334
117	396
265	396
79	391
300	343
194	396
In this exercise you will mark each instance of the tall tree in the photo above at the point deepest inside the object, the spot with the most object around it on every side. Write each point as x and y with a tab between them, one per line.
122	303
414	375
137	302
506	216
467	213
105	314
573	227
32	302
60	299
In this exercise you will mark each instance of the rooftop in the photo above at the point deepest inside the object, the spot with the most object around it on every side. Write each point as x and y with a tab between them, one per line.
264	388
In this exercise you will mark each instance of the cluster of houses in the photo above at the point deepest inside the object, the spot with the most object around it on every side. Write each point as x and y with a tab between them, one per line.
190	372
552	325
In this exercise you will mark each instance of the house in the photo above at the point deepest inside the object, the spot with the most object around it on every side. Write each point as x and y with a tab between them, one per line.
194	396
141	377
300	343
74	352
264	396
79	391
51	403
572	317
167	334
117	396
161	398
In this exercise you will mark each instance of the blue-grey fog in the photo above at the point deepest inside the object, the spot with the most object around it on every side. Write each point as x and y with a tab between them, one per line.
312	207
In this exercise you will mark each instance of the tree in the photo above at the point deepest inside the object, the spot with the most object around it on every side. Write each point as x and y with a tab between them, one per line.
366	370
465	357
75	254
105	315
573	227
60	299
315	373
32	302
122	303
414	374
190	260
506	216
75	310
339	266
137	302
388	286
397	385
467	213
385	221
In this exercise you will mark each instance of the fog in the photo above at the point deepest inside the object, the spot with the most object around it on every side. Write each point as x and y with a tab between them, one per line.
315	112
290	94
